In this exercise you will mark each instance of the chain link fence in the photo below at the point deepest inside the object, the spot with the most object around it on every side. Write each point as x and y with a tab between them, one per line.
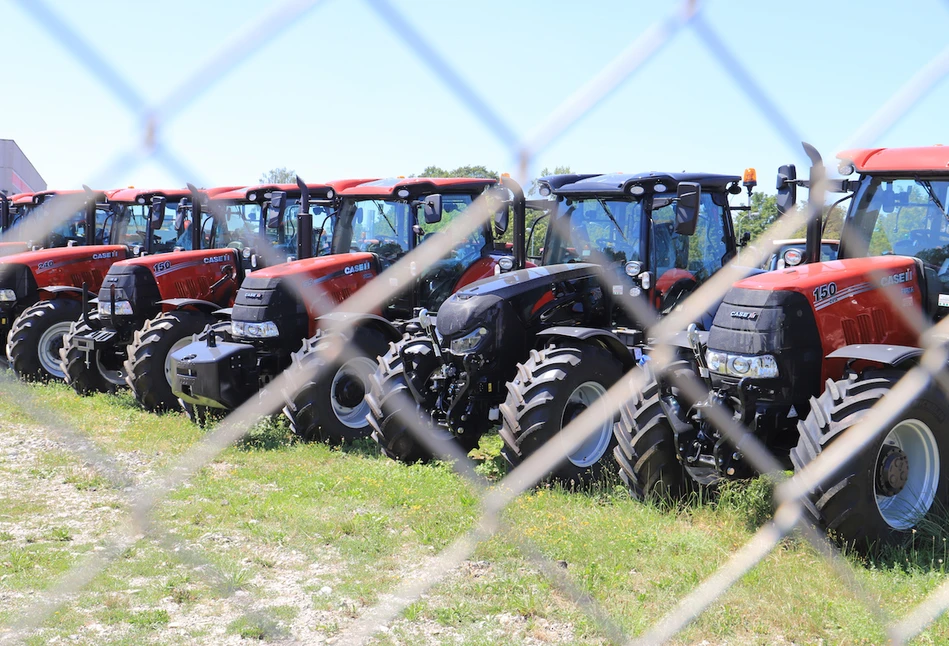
791	496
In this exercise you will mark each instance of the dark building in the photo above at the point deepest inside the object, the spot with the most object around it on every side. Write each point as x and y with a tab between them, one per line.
17	174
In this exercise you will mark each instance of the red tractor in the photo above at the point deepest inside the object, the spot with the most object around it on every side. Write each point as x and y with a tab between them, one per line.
377	223
41	291
802	354
151	305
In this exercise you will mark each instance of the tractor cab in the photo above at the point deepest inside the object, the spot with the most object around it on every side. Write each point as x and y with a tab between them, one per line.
11	207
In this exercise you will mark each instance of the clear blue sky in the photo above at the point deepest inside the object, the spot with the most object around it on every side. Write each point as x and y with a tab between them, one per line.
337	94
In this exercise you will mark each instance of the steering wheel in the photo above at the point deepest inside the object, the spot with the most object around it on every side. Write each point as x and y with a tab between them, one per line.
677	293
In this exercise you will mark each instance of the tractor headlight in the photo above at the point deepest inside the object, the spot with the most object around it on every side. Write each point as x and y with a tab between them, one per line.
763	366
262	330
122	308
506	263
469	342
7	296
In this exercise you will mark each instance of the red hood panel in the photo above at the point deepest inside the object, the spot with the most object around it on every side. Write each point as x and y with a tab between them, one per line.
806	278
71	266
355	262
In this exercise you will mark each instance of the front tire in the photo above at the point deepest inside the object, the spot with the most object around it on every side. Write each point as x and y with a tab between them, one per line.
645	452
331	407
36	338
389	396
94	378
885	489
148	367
552	388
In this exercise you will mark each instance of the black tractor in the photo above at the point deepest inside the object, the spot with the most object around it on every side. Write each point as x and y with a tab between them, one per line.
533	348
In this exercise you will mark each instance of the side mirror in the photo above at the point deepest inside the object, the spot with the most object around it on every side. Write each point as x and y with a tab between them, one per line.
432	206
787	188
688	197
502	219
745	239
278	204
156	214
180	214
359	215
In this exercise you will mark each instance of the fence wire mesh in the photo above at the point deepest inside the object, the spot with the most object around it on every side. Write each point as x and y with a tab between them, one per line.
793	507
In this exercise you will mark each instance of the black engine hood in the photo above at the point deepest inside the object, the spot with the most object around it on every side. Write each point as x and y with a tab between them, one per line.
518	290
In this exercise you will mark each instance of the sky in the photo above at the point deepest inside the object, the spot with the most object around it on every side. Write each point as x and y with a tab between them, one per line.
338	93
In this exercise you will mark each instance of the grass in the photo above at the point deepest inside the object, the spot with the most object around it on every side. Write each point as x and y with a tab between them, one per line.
278	538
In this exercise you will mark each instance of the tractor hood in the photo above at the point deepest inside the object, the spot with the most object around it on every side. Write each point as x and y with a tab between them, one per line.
526	292
850	276
321	268
68	265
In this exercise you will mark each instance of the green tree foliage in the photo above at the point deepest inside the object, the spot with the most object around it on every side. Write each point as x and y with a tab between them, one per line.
461	171
279	176
763	213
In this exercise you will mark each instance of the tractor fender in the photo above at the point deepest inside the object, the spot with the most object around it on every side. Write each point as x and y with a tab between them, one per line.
223	314
56	290
194	303
596	336
353	320
888	355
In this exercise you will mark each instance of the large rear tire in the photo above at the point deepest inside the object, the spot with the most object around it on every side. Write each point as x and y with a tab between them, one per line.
885	489
92	378
148	367
645	452
332	406
36	338
552	388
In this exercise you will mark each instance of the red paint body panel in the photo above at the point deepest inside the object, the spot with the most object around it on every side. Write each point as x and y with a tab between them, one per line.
859	311
879	160
191	274
21	198
131	195
70	266
340	275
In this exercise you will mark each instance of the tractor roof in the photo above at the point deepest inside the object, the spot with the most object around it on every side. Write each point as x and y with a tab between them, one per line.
133	195
418	186
619	183
41	196
881	160
318	191
21	198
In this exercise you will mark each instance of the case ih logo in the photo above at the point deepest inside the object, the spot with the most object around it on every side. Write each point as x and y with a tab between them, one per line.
105	254
255	295
213	259
355	269
896	279
748	316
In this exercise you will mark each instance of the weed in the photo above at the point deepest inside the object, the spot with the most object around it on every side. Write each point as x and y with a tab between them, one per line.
751	499
490	463
61	534
269	434
255	626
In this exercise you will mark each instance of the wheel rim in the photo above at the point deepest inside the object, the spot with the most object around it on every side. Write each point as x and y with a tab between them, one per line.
596	444
350	380
906	474
50	343
177	346
115	376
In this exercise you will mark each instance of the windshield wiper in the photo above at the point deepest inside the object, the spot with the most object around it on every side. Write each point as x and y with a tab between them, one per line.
926	184
382	212
612	219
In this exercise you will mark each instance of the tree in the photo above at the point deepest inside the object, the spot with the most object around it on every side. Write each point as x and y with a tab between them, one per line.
280	175
558	170
763	213
461	171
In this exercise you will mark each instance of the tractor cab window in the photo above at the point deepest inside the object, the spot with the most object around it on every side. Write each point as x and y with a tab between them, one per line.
382	227
238	227
73	228
680	262
587	229
906	217
322	244
131	227
439	279
453	206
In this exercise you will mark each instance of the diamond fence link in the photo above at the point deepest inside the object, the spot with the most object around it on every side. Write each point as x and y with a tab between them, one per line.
791	494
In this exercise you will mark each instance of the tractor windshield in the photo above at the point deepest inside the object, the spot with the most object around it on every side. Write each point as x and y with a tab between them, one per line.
73	229
905	216
132	228
322	241
585	226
